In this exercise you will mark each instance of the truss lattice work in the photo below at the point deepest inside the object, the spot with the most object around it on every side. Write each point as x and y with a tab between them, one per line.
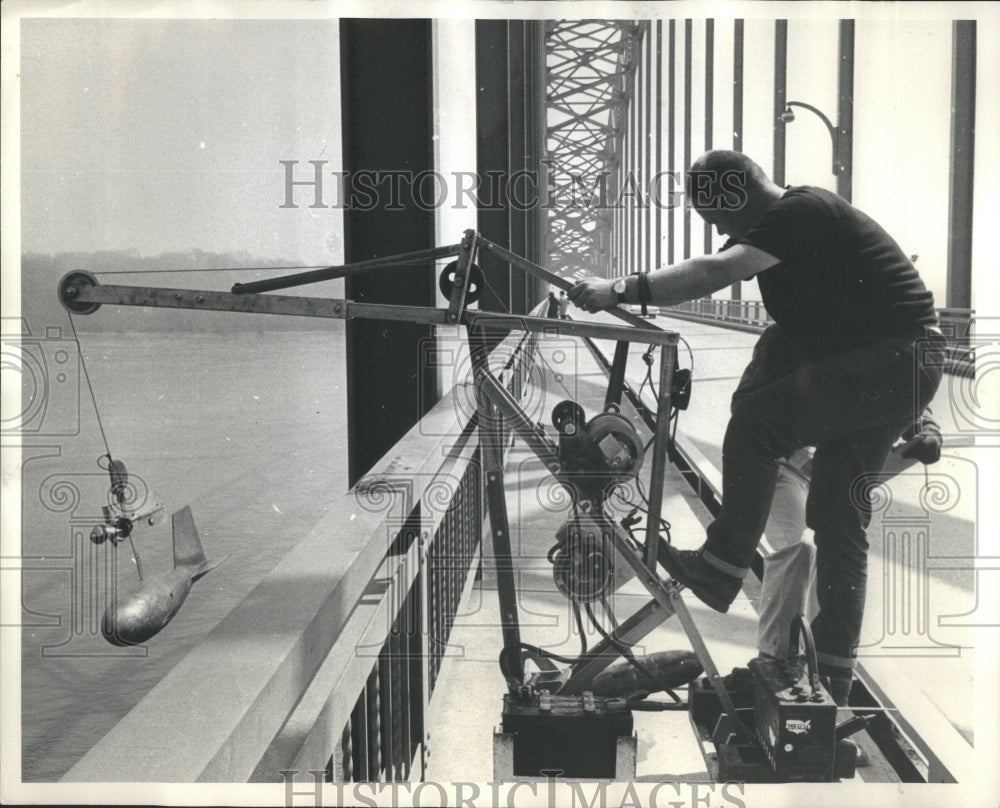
590	79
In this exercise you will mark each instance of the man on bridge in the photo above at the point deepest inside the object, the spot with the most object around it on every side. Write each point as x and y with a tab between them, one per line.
853	358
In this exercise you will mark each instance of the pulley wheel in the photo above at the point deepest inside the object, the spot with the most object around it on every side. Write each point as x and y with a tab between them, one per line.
621	430
583	572
565	413
474	283
68	286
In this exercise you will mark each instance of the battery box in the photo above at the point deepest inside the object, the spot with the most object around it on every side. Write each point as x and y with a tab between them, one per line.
573	737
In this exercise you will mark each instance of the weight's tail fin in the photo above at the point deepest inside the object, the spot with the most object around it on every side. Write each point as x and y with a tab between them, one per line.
188	551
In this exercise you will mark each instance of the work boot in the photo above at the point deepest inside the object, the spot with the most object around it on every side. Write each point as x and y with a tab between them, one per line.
711	586
839	688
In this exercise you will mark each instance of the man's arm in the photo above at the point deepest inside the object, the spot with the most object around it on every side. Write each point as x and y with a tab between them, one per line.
687	280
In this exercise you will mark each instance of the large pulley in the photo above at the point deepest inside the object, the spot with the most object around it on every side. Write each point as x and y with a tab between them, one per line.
69	288
474	282
599	453
583	561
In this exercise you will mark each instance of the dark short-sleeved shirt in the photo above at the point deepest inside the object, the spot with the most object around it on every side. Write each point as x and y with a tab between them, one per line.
842	280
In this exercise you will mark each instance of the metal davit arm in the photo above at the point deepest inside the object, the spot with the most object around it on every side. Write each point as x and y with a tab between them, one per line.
81	293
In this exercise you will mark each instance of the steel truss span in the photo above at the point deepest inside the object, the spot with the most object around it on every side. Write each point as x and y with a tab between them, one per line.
590	82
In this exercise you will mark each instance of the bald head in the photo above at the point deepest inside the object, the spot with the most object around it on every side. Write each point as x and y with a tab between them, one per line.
724	179
729	190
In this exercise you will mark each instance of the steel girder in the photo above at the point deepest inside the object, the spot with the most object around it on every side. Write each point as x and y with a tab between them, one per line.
590	80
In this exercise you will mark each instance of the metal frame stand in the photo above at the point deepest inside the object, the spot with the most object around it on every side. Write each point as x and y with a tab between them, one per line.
81	293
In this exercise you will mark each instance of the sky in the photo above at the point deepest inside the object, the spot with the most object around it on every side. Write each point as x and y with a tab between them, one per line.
166	134
163	135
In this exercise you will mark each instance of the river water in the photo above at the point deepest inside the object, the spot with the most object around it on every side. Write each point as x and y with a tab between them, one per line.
248	429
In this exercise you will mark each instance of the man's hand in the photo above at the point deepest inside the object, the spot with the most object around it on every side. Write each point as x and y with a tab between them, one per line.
594	294
925	448
925	440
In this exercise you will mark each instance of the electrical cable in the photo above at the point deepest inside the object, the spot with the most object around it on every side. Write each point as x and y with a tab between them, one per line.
555	375
504	662
690	352
579	627
104	437
656	706
664	524
626	652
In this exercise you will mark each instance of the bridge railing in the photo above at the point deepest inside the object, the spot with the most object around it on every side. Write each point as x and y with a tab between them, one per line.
958	325
332	660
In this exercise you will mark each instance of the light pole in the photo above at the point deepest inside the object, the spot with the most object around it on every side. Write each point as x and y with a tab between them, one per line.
841	145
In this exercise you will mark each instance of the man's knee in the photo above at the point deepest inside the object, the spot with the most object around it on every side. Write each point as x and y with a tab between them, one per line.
834	517
750	423
768	363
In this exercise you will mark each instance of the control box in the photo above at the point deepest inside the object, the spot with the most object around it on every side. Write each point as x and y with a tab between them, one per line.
804	746
796	725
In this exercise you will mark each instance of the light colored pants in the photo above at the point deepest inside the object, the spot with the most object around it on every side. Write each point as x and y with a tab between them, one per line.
789	582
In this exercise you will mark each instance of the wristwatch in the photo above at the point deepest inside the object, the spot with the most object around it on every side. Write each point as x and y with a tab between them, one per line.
619	289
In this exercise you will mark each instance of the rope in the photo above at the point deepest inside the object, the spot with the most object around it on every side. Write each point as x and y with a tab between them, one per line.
90	387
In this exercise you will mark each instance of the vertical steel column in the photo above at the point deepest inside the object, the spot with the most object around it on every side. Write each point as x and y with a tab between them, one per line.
780	75
738	85
537	79
386	89
492	157
961	174
844	142
736	290
614	159
616	238
709	106
616	247
647	79
632	126
687	130
638	122
658	162
517	158
672	136
626	163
